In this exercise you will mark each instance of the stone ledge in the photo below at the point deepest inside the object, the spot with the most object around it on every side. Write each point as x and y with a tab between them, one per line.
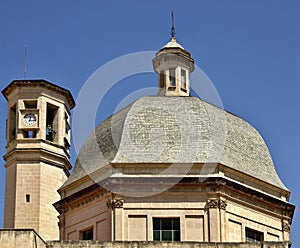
28	238
151	244
25	238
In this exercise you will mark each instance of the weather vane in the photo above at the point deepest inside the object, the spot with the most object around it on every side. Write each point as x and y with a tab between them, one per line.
173	28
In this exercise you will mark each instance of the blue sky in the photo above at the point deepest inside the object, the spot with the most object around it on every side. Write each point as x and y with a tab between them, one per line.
250	50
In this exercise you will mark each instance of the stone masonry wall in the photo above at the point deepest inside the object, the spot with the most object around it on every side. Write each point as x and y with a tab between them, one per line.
141	244
20	238
28	238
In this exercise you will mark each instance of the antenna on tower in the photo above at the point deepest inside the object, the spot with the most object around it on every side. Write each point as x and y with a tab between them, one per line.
25	60
173	28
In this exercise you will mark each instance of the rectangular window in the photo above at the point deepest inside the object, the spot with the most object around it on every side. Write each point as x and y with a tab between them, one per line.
11	129
254	236
183	79
166	229
30	134
66	144
27	198
172	78
67	125
87	234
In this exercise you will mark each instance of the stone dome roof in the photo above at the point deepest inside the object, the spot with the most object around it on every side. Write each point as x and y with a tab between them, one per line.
176	129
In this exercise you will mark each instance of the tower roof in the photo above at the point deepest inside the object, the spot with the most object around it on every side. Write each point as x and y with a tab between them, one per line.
173	44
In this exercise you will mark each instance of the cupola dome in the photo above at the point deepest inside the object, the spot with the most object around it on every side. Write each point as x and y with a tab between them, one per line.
173	64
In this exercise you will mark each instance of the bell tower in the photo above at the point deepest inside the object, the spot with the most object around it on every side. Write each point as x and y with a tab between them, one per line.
37	154
173	64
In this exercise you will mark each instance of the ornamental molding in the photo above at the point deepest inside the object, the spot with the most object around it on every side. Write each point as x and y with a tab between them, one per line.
222	204
61	222
66	207
115	203
286	227
217	203
213	203
80	199
288	214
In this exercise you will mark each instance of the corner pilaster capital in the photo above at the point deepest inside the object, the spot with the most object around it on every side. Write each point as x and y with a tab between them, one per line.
217	203
115	203
213	203
222	204
286	227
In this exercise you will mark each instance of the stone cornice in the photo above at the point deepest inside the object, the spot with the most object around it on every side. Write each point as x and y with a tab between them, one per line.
39	82
60	160
217	185
80	198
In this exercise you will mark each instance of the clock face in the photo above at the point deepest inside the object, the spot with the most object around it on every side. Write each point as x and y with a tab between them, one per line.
29	119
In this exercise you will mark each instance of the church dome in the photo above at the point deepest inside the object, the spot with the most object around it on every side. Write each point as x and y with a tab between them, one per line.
158	129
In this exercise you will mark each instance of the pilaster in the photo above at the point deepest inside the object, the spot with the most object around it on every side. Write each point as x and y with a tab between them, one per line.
213	220
116	206
217	219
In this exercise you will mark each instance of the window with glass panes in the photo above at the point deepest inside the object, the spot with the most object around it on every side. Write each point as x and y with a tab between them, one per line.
253	236
166	229
172	78
86	234
183	79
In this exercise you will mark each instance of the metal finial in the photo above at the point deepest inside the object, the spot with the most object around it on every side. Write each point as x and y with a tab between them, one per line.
25	61
173	28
